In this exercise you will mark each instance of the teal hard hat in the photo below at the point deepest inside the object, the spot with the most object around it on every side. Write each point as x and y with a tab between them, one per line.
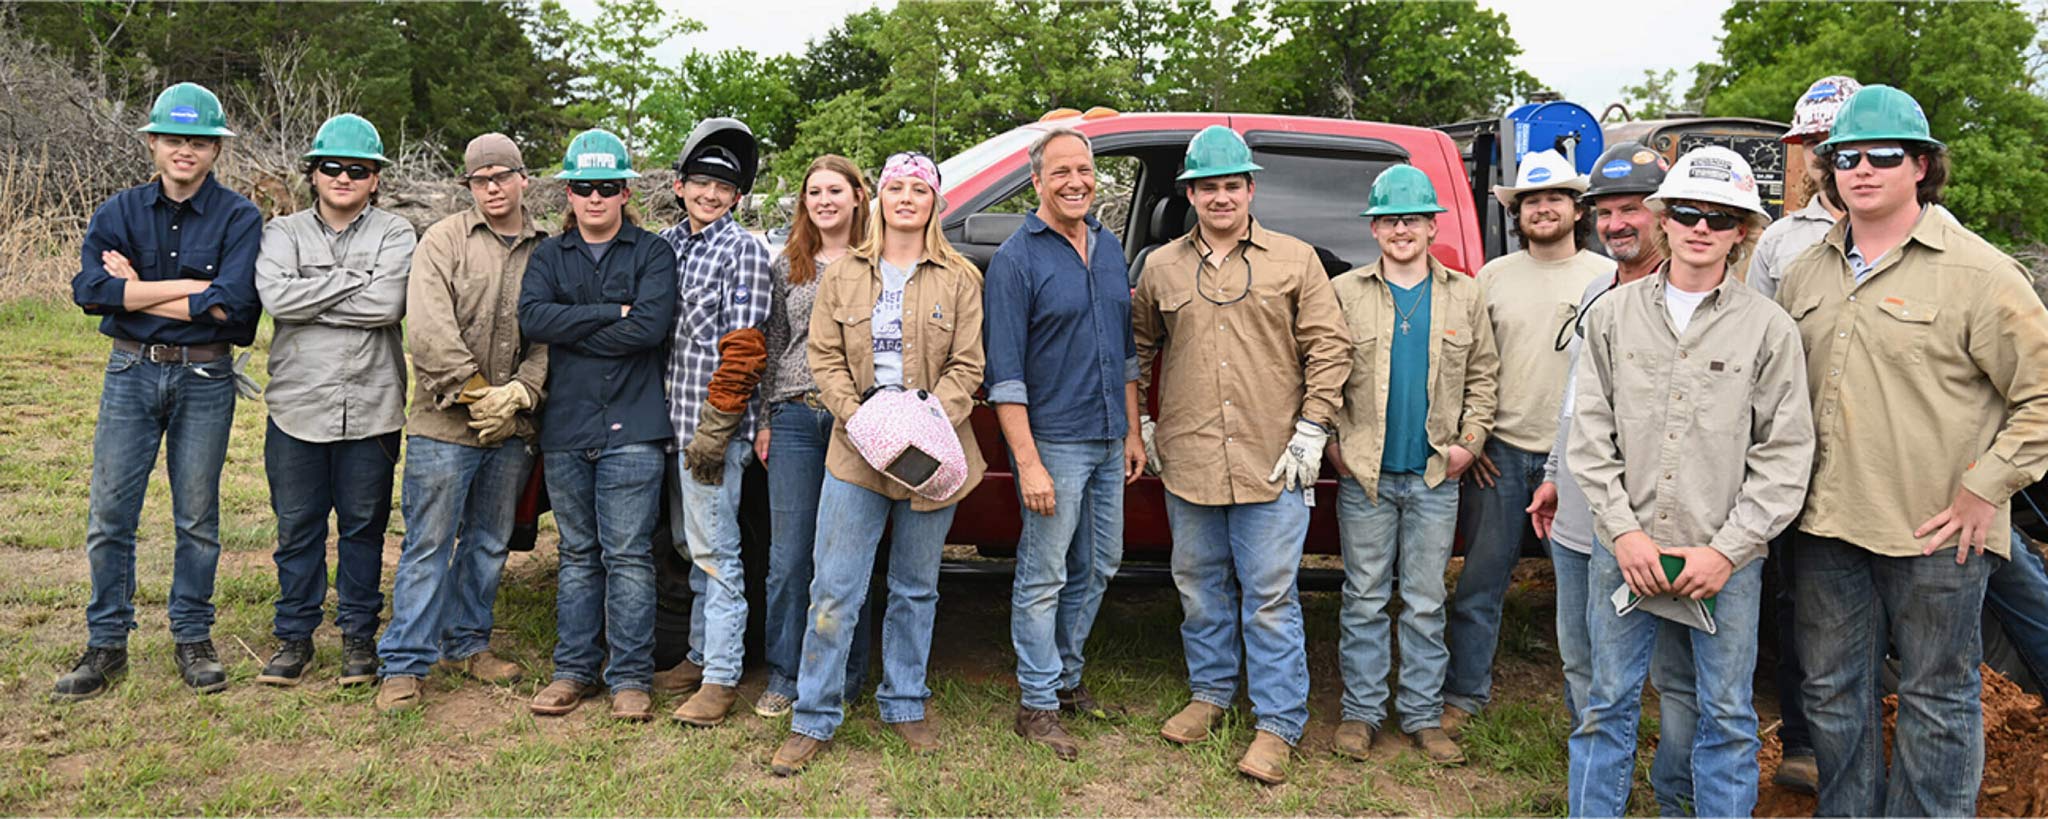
1880	113
347	136
1401	190
1216	151
187	109
597	155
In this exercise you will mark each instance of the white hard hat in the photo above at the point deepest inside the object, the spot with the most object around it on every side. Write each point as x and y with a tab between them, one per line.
1712	174
1541	171
1815	113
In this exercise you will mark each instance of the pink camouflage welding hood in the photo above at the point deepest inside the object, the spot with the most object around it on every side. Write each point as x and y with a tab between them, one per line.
906	435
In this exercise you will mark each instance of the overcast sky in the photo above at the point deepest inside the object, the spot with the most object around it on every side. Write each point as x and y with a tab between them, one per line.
1586	50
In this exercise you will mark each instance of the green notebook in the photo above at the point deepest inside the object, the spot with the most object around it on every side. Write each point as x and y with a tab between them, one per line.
1679	609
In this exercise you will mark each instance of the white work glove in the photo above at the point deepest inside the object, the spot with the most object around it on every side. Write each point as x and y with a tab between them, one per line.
502	402
244	385
1303	459
1145	426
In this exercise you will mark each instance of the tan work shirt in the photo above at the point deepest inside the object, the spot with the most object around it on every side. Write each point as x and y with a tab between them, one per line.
1932	374
942	353
1529	303
1243	348
1700	438
1464	368
462	319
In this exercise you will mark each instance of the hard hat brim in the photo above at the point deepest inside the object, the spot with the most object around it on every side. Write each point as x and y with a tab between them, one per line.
185	130
1894	136
374	157
1403	210
1229	170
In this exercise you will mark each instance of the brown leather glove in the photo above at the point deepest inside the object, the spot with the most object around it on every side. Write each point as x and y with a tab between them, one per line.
704	456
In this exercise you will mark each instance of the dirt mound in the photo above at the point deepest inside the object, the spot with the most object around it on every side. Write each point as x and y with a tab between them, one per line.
2015	756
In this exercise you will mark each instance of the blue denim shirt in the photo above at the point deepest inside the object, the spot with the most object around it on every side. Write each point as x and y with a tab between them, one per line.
214	235
604	371
1058	332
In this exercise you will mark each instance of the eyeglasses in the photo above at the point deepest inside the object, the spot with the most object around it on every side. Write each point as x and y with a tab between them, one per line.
355	170
607	189
1846	159
1689	216
1409	221
500	178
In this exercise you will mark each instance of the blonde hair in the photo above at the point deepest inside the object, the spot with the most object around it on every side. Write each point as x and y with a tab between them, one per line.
1753	225
935	244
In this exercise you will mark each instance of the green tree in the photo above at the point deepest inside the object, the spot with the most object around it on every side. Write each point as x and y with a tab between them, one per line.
733	83
1966	63
1412	63
615	75
1656	96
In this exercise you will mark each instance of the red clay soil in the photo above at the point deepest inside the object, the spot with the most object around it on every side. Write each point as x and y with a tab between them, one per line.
2015	756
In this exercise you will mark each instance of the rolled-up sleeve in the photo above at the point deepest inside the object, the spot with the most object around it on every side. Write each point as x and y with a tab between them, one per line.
1008	312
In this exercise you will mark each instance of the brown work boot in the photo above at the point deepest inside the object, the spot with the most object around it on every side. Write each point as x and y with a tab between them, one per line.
1079	700
398	694
707	708
1266	760
1192	724
1453	721
561	697
632	705
484	666
682	679
1044	728
1354	740
920	735
1438	746
795	753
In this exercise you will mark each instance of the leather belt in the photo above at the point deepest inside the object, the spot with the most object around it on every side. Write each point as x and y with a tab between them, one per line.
174	353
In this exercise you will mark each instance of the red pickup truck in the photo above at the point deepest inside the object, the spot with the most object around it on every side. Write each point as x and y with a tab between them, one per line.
1316	178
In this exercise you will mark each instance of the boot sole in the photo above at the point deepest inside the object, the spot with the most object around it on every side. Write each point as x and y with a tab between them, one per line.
59	697
1184	739
698	722
211	688
358	679
1270	779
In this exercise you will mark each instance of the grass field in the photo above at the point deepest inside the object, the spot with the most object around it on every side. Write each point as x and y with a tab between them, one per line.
150	747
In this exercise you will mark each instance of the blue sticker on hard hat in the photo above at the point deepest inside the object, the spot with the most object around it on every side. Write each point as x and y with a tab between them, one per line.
1821	91
1539	175
185	114
1616	169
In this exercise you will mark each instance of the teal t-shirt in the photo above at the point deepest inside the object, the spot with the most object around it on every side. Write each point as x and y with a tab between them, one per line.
1407	449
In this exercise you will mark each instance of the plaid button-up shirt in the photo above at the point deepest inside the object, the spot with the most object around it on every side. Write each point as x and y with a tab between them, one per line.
722	286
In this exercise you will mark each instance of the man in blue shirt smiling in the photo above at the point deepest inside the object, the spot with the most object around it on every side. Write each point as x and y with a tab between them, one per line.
170	265
1062	373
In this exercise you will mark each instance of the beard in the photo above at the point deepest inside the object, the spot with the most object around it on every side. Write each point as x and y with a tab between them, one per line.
1633	251
1547	231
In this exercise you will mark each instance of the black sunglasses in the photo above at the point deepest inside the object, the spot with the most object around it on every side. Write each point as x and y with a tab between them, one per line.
1846	159
1689	216
607	189
355	170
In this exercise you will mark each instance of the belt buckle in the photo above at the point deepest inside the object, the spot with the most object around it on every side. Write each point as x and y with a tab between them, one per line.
155	352
811	400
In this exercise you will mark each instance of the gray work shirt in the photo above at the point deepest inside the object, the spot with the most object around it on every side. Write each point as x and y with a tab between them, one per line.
1783	241
337	361
1573	526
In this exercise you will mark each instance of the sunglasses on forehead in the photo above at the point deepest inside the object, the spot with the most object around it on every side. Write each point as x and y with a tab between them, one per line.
607	188
1846	159
335	168
1689	216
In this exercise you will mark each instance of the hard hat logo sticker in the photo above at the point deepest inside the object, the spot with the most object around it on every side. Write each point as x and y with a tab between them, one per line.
1643	158
1821	91
185	114
605	161
1616	169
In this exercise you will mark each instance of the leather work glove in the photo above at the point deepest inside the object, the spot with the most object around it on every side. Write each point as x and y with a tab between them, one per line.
494	430
502	402
476	387
704	456
1145	426
244	385
1303	459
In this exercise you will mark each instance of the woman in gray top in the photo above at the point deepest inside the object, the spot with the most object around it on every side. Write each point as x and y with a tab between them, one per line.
831	210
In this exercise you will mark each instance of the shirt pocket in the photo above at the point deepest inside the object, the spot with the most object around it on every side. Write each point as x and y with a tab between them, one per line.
1721	397
1638	381
1453	355
1901	332
199	264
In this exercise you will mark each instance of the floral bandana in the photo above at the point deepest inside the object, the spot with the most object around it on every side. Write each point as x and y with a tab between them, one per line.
912	164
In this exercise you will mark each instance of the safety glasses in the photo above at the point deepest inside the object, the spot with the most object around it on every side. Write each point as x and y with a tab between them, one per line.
1689	216
335	169
607	188
501	178
1846	159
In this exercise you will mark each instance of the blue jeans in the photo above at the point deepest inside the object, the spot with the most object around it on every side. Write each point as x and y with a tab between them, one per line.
1064	564
2018	595
796	471
850	522
1235	567
1496	529
1782	633
459	503
188	409
1407	531
606	503
1574	615
1723	741
1928	610
707	524
351	479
